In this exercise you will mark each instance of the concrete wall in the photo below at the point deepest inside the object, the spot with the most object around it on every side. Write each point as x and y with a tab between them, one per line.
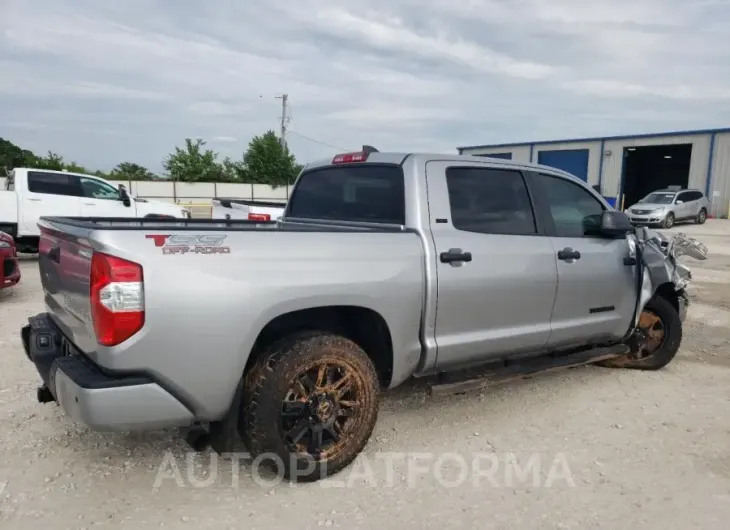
199	192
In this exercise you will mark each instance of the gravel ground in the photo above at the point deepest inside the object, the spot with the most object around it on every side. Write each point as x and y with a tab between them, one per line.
613	449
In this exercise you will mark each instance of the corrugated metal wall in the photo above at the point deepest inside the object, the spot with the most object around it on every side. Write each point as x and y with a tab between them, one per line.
720	179
719	191
520	153
612	164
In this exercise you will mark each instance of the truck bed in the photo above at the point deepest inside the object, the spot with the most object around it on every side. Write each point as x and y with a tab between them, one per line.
206	305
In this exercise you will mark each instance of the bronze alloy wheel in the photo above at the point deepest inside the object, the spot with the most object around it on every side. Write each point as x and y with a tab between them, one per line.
656	339
310	402
652	328
321	409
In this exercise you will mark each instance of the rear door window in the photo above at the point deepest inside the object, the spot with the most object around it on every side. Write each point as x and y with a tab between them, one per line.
489	201
52	184
367	193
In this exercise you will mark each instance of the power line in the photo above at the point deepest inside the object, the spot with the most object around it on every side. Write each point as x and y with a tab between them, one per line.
315	140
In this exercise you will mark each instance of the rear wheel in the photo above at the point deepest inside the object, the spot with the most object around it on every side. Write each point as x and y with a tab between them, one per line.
310	405
701	217
668	220
659	335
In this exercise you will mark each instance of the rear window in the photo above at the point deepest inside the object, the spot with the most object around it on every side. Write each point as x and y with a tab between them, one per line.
367	193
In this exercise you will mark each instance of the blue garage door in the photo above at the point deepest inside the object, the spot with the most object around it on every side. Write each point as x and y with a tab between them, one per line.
574	161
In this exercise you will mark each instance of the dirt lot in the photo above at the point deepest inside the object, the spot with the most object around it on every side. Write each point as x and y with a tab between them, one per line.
614	449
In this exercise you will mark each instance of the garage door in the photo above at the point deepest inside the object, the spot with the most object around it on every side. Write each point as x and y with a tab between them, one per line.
574	161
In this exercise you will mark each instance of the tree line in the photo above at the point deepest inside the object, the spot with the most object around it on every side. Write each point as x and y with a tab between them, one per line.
266	161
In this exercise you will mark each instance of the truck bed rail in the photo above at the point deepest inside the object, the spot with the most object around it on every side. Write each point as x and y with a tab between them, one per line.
204	225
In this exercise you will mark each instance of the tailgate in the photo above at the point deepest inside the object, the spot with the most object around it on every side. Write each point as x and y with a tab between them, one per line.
65	267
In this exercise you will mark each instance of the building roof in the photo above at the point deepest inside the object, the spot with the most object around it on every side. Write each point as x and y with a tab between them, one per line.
601	138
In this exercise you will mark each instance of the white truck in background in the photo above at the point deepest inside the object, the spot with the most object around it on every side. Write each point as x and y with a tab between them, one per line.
32	193
247	209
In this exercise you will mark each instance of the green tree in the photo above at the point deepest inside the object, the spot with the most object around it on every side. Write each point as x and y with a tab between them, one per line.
52	161
12	156
233	171
268	162
131	171
194	163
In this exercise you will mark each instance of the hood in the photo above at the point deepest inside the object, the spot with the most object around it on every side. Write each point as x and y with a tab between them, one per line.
648	206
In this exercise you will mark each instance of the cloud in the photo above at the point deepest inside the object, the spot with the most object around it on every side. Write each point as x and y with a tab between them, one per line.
102	82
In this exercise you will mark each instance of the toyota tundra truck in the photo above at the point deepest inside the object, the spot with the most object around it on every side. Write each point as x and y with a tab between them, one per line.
385	266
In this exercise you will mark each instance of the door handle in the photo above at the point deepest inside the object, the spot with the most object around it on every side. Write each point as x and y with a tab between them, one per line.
89	204
568	253
455	255
629	261
35	200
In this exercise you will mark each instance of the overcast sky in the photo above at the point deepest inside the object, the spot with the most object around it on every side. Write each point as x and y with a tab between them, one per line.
102	82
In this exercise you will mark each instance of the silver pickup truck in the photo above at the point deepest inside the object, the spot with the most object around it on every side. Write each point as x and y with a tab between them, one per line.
383	267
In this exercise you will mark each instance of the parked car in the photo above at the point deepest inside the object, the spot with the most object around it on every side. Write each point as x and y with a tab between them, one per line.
284	333
9	269
668	206
31	193
247	209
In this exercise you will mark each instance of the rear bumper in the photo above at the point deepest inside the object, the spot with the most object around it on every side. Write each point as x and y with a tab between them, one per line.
9	268
89	395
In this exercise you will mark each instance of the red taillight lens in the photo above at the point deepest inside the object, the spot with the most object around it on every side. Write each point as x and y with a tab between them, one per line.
349	158
117	298
259	217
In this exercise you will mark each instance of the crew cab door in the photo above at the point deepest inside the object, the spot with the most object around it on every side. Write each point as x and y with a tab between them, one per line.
496	270
101	199
596	292
47	194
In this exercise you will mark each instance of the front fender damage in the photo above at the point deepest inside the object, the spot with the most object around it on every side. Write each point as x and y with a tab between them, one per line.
660	267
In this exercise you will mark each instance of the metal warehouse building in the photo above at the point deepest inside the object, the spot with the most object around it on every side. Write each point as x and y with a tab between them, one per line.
625	168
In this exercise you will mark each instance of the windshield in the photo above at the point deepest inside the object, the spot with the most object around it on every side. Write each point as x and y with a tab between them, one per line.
659	198
366	192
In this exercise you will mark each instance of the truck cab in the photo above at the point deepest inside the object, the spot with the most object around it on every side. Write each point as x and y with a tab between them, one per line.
32	193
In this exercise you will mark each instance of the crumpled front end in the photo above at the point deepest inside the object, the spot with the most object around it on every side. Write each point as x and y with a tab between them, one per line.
9	267
659	256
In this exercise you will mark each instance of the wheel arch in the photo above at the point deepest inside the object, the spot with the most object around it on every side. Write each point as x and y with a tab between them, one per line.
364	326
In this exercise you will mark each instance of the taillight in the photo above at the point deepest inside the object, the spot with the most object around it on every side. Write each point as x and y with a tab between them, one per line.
117	298
259	217
349	158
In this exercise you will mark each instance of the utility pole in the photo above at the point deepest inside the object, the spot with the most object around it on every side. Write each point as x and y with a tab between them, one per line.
284	118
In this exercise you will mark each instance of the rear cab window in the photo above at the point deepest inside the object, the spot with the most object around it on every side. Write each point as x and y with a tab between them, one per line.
369	192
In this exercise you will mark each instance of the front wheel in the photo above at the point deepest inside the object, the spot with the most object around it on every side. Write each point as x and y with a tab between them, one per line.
668	220
659	335
310	405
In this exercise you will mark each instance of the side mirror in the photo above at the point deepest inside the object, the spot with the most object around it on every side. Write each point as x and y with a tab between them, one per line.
679	201
124	196
615	224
